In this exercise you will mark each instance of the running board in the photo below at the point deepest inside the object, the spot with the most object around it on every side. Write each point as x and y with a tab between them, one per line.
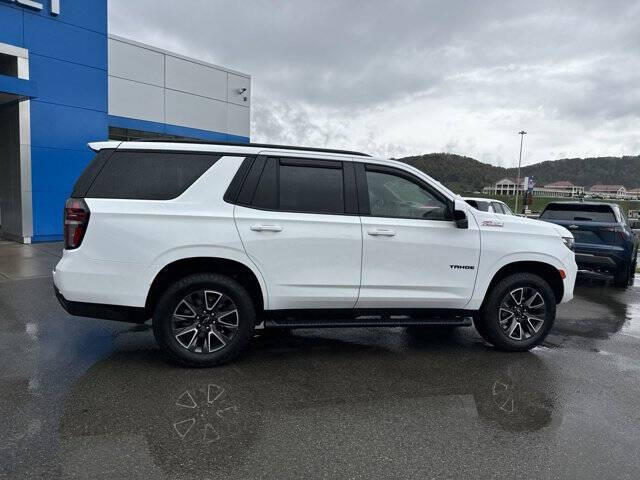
329	319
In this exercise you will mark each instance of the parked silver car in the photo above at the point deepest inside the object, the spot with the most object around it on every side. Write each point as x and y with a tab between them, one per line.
489	205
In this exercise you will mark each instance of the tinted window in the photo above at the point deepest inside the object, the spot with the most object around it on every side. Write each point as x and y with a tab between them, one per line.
266	194
580	213
90	173
149	175
482	206
395	196
311	189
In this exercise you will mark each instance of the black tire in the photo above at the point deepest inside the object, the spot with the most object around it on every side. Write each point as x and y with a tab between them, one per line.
168	303
488	323
622	276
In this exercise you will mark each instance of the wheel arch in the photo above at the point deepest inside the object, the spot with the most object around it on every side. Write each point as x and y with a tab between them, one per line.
545	270
183	267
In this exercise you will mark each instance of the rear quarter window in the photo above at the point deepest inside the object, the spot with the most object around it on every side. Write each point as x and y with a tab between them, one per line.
579	213
139	175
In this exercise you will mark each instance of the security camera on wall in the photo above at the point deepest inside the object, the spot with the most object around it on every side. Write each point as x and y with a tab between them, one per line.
241	91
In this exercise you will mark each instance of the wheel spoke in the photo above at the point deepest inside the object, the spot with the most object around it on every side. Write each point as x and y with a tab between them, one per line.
535	301
517	295
229	319
534	323
211	299
186	309
187	336
505	318
217	336
515	331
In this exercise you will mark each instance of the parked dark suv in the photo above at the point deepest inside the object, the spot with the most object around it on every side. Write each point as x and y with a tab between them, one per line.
604	241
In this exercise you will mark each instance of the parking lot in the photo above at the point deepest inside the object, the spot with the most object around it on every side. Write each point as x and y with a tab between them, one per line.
84	398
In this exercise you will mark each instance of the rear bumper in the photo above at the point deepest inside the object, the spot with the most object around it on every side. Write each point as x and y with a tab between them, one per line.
588	261
107	312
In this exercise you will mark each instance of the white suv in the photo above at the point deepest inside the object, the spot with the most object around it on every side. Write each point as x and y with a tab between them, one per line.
212	241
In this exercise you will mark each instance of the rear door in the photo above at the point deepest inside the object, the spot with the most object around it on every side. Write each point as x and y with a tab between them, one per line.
297	218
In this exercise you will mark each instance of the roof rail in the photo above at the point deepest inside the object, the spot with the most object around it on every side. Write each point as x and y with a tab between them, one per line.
258	145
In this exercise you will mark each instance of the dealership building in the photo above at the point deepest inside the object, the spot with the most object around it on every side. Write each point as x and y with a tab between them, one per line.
65	81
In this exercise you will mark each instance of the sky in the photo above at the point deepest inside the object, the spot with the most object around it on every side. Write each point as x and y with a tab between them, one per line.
399	78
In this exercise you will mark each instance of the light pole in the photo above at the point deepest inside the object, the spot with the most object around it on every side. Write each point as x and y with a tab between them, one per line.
522	133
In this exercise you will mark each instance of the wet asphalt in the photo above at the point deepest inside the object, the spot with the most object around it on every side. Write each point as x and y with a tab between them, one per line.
82	398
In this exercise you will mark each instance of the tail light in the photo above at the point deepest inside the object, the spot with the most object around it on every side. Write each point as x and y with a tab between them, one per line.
76	220
624	236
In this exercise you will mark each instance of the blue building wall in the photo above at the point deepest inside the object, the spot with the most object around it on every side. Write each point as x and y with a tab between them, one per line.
68	65
68	61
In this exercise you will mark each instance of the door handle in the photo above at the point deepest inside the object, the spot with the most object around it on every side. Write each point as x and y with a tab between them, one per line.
266	228
381	232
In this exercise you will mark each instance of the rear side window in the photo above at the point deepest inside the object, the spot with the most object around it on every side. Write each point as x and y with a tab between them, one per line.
140	175
296	185
579	213
315	189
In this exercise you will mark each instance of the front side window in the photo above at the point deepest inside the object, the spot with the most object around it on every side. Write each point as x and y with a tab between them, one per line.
394	196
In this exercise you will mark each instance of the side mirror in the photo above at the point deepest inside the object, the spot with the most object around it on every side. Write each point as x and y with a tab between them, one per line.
460	214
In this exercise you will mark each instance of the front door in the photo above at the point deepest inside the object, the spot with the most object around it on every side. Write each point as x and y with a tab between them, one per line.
413	254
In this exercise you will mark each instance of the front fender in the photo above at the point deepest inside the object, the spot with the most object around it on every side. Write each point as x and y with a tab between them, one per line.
488	272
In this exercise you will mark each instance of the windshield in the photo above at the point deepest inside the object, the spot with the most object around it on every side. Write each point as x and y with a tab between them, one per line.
506	209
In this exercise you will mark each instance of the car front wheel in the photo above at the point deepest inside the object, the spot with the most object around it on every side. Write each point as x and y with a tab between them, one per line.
518	312
204	320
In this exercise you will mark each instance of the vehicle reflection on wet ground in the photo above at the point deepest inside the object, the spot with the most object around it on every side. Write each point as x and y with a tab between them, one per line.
85	398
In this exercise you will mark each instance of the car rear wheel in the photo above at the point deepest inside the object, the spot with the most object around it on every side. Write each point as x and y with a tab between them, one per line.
204	320
623	275
518	313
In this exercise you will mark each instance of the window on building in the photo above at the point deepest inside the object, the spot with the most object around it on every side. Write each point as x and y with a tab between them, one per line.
8	65
131	135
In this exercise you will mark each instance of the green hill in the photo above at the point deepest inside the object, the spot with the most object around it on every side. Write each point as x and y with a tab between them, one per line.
465	174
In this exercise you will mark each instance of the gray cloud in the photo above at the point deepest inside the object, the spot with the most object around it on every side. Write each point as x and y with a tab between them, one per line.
399	77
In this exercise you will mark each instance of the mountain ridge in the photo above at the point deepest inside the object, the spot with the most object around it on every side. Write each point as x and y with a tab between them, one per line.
466	174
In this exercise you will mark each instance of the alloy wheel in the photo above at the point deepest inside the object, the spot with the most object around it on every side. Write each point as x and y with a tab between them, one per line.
522	313
205	321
